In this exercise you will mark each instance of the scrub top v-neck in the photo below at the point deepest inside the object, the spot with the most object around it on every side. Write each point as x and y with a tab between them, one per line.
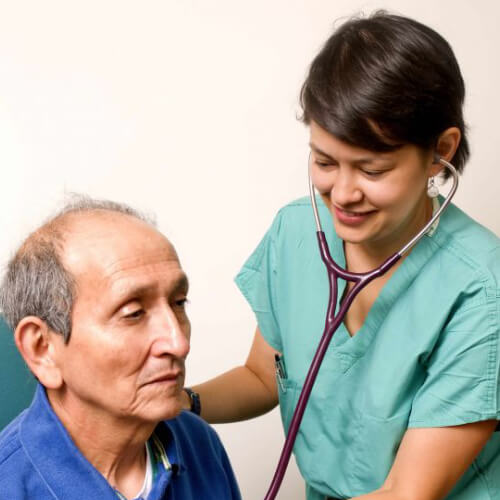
427	354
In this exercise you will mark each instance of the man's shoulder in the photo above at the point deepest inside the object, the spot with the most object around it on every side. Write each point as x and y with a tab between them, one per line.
187	425
15	466
10	441
193	436
195	450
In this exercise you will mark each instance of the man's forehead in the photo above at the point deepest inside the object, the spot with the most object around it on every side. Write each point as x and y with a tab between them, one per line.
108	246
143	281
143	270
118	265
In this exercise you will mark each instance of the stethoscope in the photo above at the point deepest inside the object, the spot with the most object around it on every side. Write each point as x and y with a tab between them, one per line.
333	320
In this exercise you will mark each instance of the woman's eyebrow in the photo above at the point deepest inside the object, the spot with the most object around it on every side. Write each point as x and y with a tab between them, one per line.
319	151
363	160
357	161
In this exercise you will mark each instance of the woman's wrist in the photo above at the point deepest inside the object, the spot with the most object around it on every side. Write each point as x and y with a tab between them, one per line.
191	401
185	401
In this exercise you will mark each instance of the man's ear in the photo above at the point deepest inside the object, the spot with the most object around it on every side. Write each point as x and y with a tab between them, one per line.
39	347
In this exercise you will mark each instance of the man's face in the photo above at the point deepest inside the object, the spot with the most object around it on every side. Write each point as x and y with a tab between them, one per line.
130	332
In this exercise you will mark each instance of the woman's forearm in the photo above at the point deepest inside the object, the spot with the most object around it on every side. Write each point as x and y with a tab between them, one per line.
380	495
238	394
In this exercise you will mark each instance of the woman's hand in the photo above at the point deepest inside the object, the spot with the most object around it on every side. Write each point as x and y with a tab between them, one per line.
430	461
245	391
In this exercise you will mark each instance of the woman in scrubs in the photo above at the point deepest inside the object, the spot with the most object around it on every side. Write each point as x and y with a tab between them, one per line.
407	399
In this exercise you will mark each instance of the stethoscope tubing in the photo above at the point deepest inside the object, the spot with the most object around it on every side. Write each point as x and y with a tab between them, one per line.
333	320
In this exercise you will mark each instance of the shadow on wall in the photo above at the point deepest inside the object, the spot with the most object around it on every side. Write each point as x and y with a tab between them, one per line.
17	384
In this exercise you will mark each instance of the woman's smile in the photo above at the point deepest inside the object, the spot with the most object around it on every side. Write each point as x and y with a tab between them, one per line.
350	217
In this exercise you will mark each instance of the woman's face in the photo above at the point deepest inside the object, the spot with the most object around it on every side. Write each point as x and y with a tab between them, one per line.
376	199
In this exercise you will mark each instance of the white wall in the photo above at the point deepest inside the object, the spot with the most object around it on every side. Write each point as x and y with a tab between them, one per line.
187	108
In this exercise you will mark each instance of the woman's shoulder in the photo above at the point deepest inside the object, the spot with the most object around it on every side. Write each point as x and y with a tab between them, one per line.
296	218
299	208
469	244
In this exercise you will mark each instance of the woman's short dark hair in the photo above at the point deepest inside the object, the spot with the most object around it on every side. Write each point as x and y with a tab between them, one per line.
385	81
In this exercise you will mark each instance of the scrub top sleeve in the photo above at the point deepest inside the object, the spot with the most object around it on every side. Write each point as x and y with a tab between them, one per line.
462	383
256	281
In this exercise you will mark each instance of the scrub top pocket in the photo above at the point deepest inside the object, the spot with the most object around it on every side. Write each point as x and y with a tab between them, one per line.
288	397
373	455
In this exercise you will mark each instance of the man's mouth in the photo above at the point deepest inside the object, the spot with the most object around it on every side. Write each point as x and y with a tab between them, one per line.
169	377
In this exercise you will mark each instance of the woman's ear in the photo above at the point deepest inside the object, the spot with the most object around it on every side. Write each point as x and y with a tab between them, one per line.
38	347
446	147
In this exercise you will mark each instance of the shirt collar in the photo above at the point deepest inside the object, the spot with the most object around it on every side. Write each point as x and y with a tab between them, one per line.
66	472
164	433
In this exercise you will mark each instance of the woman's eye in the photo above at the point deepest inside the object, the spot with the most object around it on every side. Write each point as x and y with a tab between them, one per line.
324	164
373	173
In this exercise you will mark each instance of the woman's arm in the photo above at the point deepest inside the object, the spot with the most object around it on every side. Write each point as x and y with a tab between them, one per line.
430	461
245	391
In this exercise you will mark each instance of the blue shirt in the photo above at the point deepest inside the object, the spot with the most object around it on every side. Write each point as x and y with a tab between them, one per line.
38	460
427	355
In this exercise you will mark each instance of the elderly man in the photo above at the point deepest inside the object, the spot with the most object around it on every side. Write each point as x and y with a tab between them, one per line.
96	297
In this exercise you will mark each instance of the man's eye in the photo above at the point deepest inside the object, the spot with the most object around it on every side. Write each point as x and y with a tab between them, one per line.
139	313
182	302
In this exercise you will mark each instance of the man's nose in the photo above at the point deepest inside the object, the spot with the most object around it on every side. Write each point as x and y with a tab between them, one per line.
345	189
171	335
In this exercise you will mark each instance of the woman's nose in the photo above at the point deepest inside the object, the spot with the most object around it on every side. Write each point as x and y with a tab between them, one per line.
345	189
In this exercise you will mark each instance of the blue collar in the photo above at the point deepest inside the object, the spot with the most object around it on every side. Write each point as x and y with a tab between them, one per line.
61	465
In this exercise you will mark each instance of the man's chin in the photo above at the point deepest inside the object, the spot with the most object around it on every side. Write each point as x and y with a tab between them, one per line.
165	410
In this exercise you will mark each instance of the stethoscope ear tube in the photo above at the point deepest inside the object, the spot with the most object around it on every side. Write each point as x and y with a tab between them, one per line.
312	195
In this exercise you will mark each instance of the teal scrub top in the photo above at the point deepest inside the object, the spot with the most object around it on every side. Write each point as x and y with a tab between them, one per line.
427	354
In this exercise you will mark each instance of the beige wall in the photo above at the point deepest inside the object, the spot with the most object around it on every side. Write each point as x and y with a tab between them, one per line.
187	108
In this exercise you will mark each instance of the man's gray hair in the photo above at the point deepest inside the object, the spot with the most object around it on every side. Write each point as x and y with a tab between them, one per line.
36	282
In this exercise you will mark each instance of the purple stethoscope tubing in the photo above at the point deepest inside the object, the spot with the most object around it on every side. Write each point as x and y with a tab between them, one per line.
333	321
